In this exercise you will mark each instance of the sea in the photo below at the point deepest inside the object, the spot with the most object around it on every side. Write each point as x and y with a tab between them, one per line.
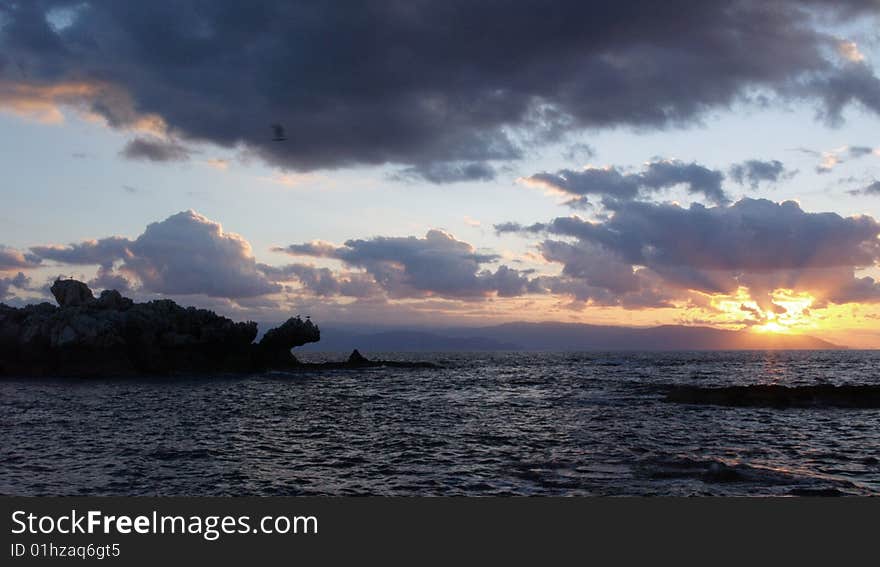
510	423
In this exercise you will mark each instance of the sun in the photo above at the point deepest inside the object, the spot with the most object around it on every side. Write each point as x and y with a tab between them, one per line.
787	311
773	327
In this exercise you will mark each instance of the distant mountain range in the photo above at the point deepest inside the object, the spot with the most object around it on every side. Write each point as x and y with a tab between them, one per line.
558	337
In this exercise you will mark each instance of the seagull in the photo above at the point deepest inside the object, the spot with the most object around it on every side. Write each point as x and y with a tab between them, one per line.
278	133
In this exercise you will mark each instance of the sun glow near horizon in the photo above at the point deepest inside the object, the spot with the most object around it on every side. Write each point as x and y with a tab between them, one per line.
785	311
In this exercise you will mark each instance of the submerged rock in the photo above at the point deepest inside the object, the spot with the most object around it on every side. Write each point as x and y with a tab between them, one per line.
113	336
857	396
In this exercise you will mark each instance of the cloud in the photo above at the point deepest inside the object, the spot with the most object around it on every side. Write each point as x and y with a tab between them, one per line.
855	83
190	254
408	267
599	276
325	282
832	158
186	253
453	172
45	101
291	179
103	252
424	83
12	259
755	243
106	278
218	163
753	172
850	51
155	149
859	151
19	281
42	102
611	183
316	248
870	189
578	152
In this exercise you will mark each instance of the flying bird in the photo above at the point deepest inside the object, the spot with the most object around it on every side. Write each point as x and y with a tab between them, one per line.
278	133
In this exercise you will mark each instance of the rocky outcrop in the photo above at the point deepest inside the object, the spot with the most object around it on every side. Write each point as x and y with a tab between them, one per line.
71	293
113	336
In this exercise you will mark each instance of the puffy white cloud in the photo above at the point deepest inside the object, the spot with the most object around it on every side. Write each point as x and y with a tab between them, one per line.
186	253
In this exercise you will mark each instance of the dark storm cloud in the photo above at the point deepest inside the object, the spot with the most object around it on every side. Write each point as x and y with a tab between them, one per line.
612	183
417	83
155	150
753	172
437	264
755	243
184	254
12	259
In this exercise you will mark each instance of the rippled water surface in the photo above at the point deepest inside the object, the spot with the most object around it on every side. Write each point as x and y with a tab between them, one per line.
485	424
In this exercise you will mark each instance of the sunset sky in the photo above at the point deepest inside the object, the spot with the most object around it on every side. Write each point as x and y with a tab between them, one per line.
450	163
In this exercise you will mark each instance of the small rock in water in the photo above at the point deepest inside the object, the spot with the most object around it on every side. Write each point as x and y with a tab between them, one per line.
357	358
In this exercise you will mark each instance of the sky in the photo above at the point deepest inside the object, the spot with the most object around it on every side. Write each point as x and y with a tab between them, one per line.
451	163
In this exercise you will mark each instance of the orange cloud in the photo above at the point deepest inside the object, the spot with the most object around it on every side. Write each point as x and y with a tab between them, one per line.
45	103
42	102
217	163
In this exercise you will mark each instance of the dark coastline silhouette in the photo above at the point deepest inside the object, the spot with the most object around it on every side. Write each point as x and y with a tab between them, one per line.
112	335
555	336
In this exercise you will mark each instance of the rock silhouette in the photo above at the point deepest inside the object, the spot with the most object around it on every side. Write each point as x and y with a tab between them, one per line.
357	358
113	336
71	293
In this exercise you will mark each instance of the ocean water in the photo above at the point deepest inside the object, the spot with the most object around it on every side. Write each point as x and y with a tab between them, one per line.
485	424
